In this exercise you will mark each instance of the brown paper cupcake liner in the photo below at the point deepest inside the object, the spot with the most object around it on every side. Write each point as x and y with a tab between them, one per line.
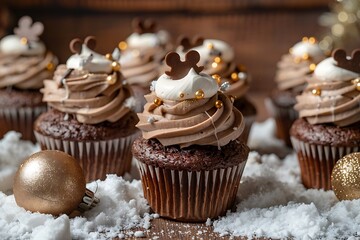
192	196
284	118
317	161
97	158
20	120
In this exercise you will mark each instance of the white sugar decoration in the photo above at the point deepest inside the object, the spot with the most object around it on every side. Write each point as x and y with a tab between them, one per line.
131	103
116	54
152	86
224	86
151	119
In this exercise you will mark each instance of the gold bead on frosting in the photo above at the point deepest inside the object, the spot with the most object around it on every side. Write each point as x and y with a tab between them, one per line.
305	56
305	39
356	82
199	94
23	40
217	78
109	56
232	98
157	101
312	67
214	65
110	79
122	45
50	66
217	59
345	177
181	95
210	46
358	86
115	66
316	91
234	76
312	40
218	104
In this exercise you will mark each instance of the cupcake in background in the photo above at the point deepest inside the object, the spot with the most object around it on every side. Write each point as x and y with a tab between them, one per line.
291	74
329	123
90	113
24	64
217	57
141	56
189	156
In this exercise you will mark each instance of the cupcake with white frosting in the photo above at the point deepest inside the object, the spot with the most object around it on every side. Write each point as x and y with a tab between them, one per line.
292	71
329	123
24	64
90	115
218	59
190	156
141	56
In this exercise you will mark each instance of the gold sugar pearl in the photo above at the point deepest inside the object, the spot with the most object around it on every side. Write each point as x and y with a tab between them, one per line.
355	81
305	39
312	67
312	40
218	104
50	66
217	59
217	78
24	41
234	76
232	98
110	79
316	91
157	101
358	86
181	95
123	45
109	56
214	65
199	94
305	56
210	46
115	66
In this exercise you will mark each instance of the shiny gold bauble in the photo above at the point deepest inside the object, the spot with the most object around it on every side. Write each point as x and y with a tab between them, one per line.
199	94
345	177
50	182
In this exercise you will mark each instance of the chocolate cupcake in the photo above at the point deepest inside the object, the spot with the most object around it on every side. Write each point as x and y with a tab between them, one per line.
24	64
141	56
329	124
90	114
217	57
291	74
190	156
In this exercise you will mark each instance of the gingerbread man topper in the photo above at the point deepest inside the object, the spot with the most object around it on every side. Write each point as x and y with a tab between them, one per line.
143	26
76	44
352	64
29	30
180	69
188	43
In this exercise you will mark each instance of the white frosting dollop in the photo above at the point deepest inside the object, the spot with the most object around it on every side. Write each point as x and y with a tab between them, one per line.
311	49
227	52
90	61
12	44
328	71
167	88
136	40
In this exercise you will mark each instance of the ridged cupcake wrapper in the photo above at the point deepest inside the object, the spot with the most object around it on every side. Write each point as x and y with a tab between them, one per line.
317	162
191	196
97	158
20	120
248	123
284	118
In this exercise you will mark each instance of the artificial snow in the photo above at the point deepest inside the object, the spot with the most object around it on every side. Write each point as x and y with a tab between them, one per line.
271	203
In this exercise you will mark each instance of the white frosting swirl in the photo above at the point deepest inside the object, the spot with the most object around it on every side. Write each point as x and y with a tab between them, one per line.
328	71
90	61
169	89
13	45
136	40
313	50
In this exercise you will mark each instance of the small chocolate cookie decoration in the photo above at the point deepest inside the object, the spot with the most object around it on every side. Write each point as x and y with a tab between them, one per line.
352	64
76	44
143	26
188	43
180	69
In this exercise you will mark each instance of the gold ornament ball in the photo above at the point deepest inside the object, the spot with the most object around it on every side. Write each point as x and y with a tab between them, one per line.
345	177
50	182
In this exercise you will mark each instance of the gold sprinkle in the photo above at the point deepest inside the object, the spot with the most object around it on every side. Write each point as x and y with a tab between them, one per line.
218	104
355	81
181	95
305	39
115	66
123	45
358	86
157	101
210	46
234	76
109	56
110	80
217	78
312	67
305	56
199	94
23	40
312	40
232	98
50	66
217	59
316	91
214	65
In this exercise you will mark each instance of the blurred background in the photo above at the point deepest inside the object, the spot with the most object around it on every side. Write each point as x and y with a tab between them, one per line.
260	31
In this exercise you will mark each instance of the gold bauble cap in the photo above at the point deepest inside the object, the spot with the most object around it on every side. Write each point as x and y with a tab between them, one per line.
50	182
